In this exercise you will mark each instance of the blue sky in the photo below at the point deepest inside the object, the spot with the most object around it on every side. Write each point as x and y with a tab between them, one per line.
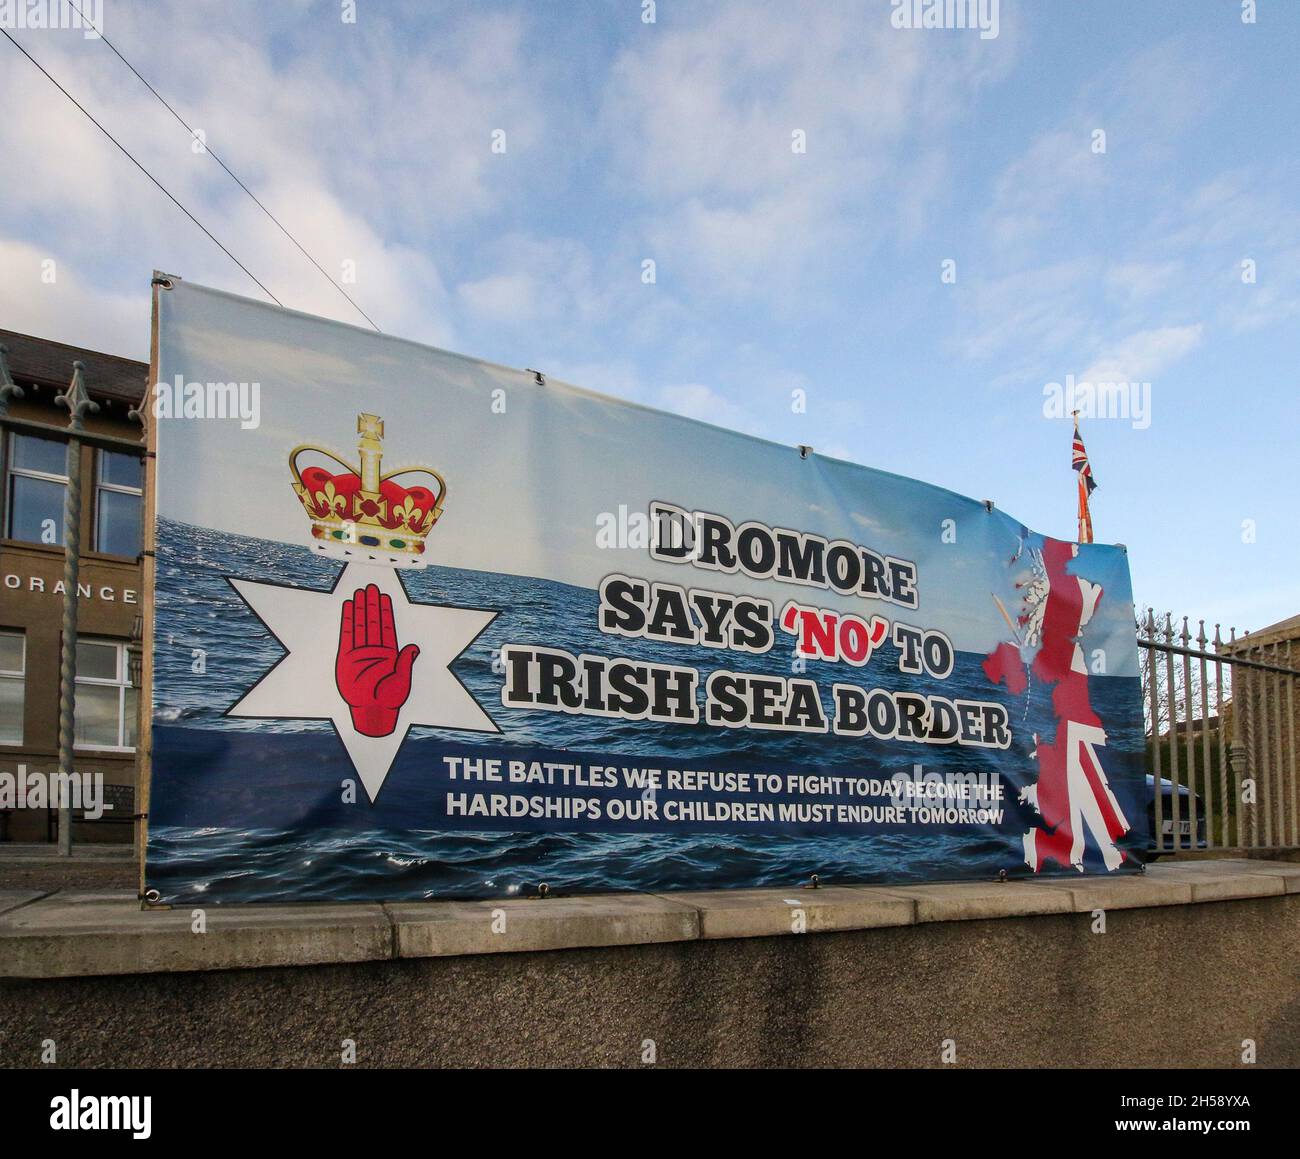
775	271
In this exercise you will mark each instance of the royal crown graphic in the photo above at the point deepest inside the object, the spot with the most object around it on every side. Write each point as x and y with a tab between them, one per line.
363	515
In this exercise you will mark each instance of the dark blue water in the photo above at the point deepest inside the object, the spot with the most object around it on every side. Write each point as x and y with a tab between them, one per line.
249	810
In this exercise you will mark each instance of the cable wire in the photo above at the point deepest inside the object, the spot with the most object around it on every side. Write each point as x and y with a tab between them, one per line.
126	153
207	149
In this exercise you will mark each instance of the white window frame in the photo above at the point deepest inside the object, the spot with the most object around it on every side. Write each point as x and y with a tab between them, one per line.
11	470
122	681
20	675
120	488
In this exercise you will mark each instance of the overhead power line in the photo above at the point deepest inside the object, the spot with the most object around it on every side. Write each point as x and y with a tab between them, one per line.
126	153
212	153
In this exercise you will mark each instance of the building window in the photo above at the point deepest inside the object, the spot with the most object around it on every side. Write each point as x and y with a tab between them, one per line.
118	503
106	702
38	483
13	668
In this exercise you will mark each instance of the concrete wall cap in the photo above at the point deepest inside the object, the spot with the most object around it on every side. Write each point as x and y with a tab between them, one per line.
70	934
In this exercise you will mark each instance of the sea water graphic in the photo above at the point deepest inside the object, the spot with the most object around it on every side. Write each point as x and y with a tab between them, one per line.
252	810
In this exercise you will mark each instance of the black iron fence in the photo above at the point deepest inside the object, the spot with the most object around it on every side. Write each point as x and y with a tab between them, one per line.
1221	725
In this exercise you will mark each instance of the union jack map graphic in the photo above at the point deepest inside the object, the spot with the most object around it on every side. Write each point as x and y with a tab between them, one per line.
1072	795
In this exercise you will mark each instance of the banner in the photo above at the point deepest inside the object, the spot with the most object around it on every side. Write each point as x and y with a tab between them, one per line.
430	627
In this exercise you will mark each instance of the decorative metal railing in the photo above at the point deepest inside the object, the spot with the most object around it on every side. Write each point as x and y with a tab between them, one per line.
1221	723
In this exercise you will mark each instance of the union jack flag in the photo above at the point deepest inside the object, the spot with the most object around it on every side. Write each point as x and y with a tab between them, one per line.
1079	460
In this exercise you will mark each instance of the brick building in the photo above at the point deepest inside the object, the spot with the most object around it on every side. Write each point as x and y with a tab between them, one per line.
34	470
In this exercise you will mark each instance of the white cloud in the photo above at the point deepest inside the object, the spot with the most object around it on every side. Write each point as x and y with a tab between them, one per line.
367	147
502	296
1140	103
700	120
762	246
1023	320
697	401
535	279
1032	192
69	309
1138	281
1141	356
1099	259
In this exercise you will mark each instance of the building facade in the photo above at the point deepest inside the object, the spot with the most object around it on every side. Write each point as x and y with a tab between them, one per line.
35	472
1264	718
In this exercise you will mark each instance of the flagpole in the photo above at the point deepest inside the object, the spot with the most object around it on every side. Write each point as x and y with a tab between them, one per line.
1085	515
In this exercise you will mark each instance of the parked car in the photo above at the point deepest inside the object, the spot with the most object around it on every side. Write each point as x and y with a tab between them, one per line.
1183	839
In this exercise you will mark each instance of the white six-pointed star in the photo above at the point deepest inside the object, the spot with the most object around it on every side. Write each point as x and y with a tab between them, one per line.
303	684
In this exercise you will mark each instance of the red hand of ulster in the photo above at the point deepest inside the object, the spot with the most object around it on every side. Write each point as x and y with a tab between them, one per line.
373	675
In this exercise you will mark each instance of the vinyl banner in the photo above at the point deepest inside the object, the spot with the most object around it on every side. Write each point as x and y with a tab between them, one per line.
430	627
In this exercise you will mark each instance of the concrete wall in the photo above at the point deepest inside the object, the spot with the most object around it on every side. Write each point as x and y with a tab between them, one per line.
1176	985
